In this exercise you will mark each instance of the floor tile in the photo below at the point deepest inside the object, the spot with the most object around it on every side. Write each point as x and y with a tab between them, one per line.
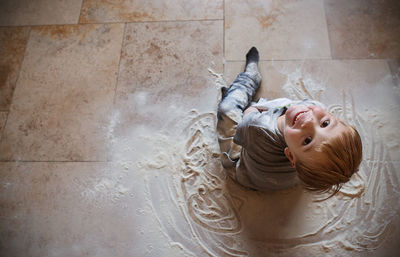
12	47
364	29
39	12
94	11
164	74
282	30
363	87
76	209
71	71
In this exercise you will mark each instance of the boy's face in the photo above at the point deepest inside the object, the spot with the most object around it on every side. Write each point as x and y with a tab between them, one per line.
305	128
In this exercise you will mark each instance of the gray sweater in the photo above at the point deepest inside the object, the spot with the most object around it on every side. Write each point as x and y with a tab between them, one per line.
263	165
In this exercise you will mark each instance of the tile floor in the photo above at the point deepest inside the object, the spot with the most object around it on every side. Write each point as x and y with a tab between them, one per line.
84	83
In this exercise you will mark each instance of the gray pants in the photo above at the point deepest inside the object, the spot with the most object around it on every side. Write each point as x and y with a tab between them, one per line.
230	112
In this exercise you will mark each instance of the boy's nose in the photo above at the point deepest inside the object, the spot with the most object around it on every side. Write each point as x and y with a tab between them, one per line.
308	122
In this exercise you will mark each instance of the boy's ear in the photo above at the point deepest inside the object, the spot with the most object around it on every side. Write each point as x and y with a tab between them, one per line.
289	156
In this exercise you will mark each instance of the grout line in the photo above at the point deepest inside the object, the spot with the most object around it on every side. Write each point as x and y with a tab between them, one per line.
327	29
26	161
116	85
152	21
80	13
314	59
114	22
119	64
16	83
21	65
223	38
356	59
283	60
36	25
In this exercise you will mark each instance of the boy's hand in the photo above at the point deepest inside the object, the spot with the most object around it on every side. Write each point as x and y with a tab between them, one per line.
261	109
250	109
255	108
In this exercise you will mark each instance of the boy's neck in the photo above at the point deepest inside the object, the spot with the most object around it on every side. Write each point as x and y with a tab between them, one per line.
281	123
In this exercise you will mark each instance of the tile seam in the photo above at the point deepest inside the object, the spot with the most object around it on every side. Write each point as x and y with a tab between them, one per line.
119	64
116	85
316	59
152	21
102	23
52	161
327	28
20	66
16	84
80	13
358	59
223	37
38	25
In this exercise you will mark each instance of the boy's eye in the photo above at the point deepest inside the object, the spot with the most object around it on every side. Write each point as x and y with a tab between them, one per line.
307	141
325	123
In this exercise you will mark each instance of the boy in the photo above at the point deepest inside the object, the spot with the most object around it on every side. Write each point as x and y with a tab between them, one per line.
274	143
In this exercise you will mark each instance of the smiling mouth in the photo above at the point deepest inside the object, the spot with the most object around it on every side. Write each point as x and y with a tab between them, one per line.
297	116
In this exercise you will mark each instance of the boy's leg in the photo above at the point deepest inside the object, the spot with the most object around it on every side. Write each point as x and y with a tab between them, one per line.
230	111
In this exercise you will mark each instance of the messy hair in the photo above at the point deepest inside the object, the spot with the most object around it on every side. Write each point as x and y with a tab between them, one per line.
342	156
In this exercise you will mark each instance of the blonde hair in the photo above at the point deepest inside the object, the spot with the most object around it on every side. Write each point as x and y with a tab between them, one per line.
342	156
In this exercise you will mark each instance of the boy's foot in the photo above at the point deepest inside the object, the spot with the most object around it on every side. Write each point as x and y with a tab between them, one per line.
252	56
251	68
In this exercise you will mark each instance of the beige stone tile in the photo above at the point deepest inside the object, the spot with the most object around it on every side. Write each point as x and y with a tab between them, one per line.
76	209
64	94
364	29
282	30
39	12
144	10
363	87
12	46
163	75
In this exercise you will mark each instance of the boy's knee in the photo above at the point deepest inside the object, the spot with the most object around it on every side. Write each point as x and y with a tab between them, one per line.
224	108
229	109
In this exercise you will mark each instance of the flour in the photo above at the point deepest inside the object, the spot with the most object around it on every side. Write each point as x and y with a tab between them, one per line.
219	83
300	86
387	122
201	210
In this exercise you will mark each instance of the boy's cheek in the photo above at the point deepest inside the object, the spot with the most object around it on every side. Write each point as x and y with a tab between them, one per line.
289	135
292	136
